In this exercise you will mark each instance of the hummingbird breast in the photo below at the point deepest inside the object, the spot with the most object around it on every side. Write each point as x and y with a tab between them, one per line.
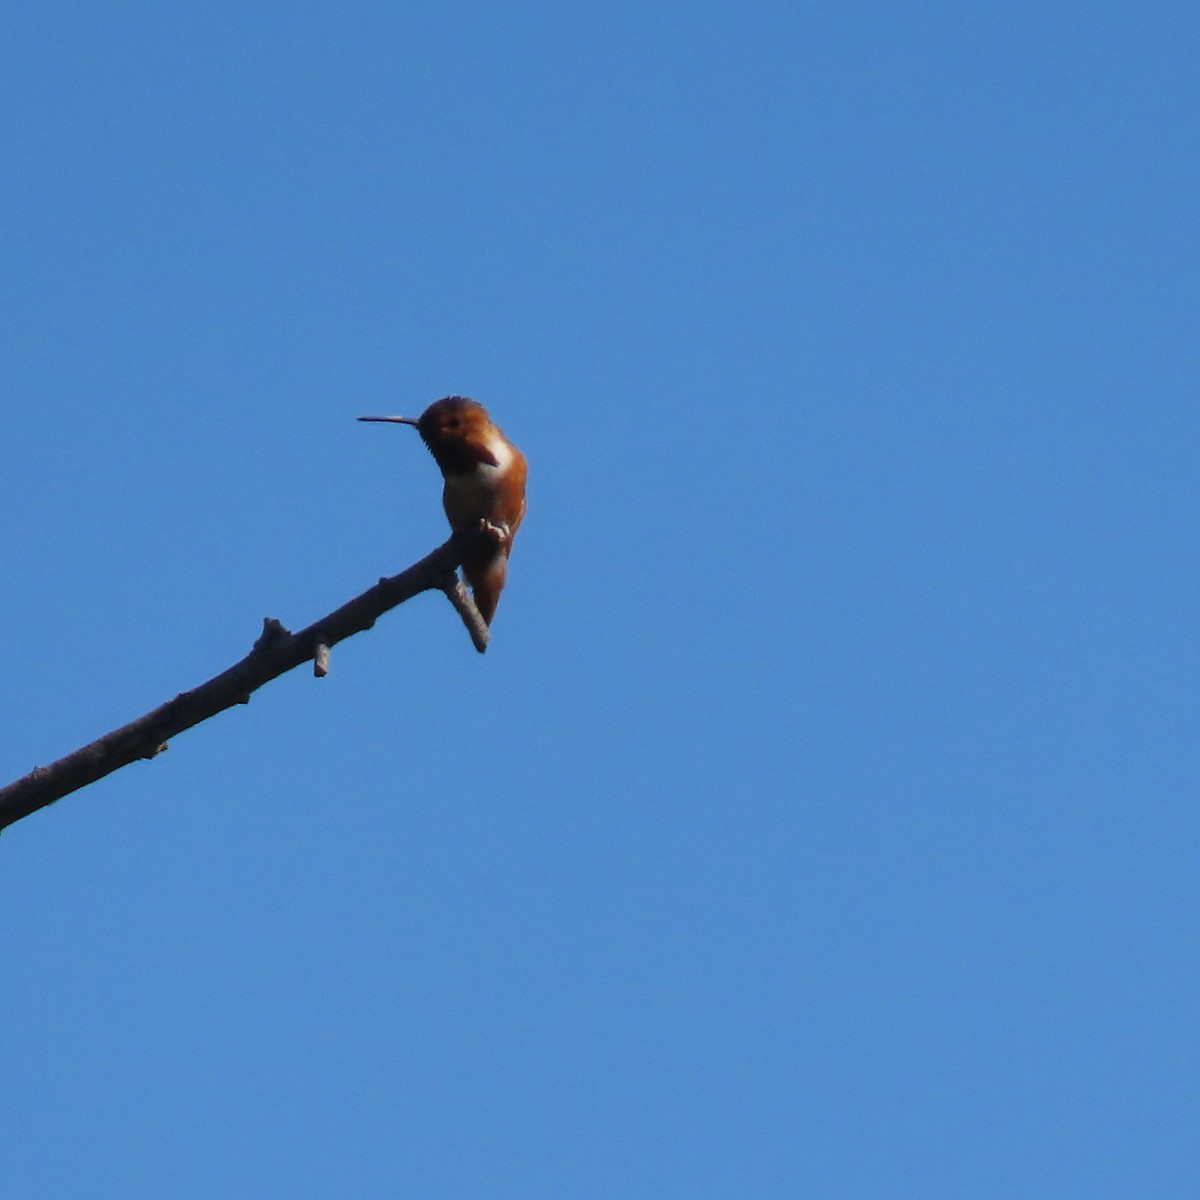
484	491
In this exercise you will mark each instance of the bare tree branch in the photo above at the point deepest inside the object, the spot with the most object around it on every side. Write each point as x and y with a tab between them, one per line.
275	652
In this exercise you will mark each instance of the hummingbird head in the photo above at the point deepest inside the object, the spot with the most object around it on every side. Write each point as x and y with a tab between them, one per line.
457	430
453	419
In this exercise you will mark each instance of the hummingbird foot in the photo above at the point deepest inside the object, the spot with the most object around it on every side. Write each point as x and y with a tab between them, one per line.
496	533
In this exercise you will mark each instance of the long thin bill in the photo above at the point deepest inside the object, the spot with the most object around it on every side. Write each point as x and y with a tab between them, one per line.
394	420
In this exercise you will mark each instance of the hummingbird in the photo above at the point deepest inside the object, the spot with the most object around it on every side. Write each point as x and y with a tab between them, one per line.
485	486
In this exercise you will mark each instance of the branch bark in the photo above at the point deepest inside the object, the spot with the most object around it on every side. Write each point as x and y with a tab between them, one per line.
274	653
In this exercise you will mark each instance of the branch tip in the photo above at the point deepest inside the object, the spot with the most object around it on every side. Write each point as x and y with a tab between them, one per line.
464	605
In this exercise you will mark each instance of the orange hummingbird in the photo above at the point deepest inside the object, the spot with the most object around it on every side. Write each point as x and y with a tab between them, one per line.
485	483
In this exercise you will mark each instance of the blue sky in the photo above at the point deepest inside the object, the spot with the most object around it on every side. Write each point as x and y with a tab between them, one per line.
822	821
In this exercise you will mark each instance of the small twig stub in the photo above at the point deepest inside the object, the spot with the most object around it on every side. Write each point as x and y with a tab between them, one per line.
321	658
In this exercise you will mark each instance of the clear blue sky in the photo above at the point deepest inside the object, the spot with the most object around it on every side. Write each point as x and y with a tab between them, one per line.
823	820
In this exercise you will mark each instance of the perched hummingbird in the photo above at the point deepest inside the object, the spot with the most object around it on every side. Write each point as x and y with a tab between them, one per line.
485	483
